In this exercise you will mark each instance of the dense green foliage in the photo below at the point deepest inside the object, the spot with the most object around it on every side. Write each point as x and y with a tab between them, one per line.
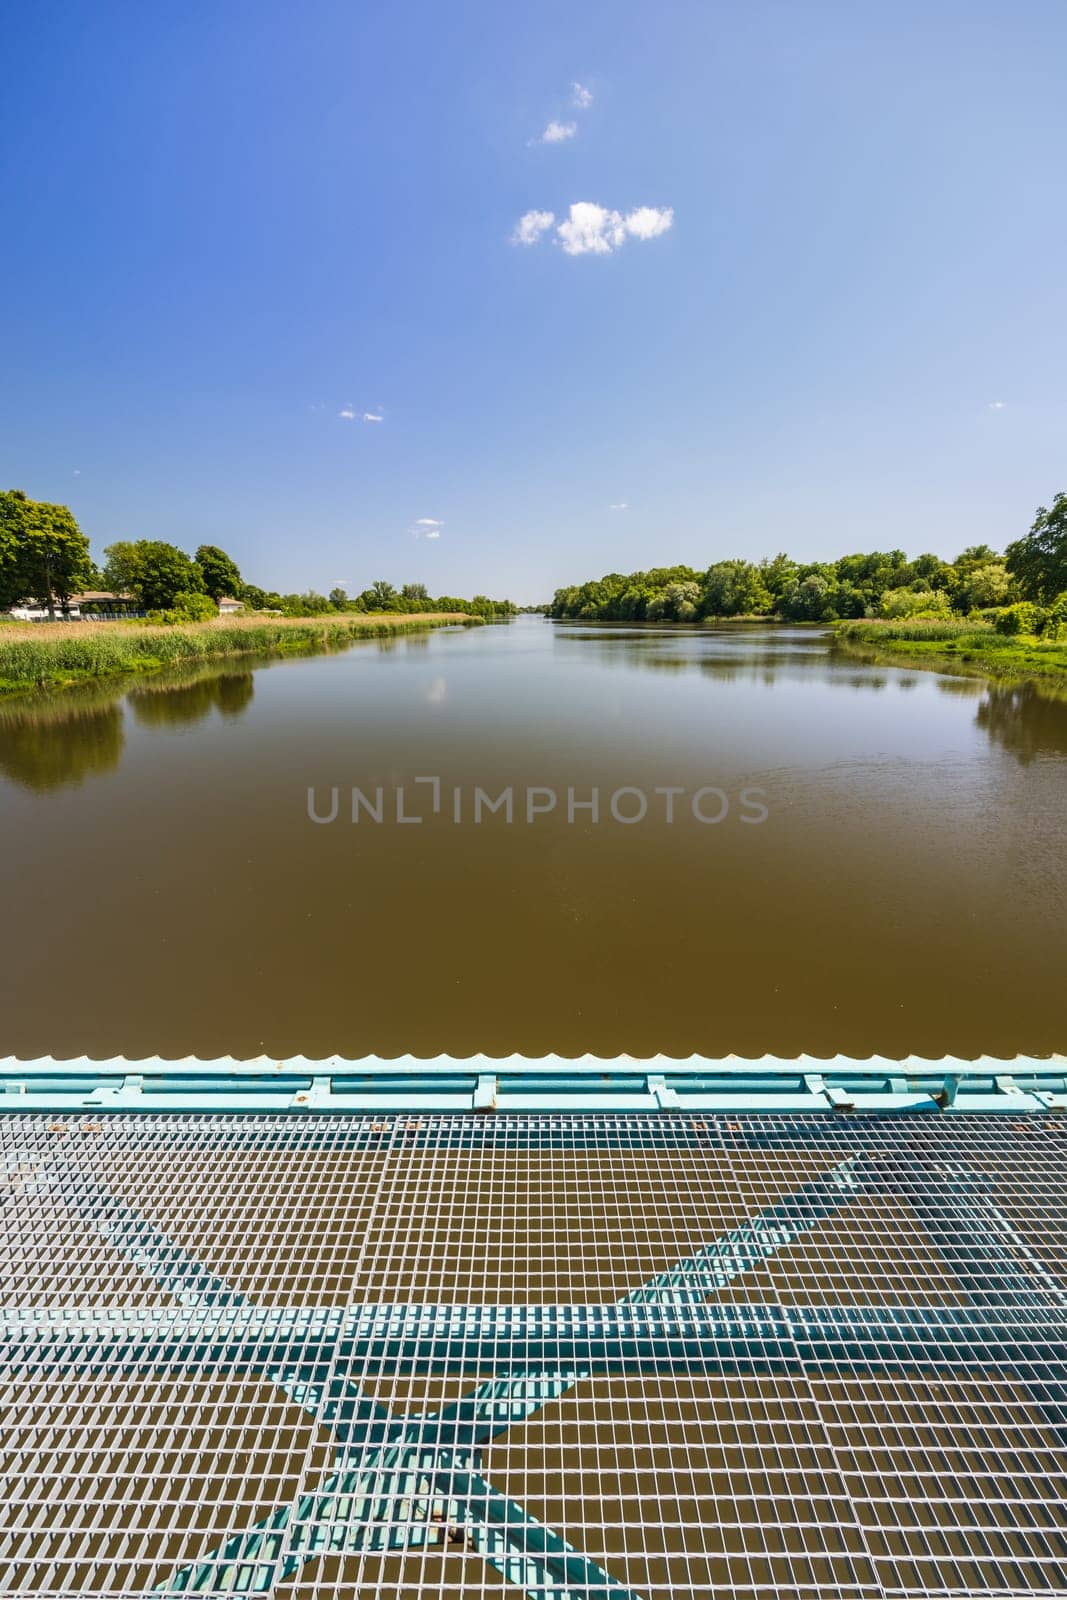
29	658
43	553
218	572
1039	562
153	572
879	583
382	596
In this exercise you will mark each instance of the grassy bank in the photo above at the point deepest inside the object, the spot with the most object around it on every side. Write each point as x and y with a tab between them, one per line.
973	648
41	655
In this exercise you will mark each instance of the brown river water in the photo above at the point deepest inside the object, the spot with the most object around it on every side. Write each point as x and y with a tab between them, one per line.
793	851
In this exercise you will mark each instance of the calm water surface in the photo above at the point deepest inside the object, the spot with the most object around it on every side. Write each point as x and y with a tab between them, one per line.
165	891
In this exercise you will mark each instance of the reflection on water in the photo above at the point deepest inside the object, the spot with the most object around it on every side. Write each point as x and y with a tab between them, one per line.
56	740
1029	719
52	743
157	704
905	894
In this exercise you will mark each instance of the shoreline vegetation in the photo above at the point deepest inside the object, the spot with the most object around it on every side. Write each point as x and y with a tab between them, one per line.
958	647
1002	614
46	656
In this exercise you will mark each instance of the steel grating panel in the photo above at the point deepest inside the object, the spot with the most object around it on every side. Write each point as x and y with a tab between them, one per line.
564	1355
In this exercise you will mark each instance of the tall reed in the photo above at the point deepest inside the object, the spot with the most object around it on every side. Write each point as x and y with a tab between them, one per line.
38	654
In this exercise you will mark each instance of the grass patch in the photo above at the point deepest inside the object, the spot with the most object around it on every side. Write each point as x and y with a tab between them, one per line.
969	647
45	655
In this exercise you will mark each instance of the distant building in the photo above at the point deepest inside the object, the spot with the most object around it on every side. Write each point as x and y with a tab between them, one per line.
97	605
229	607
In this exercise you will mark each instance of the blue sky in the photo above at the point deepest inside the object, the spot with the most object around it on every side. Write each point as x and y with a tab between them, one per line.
841	324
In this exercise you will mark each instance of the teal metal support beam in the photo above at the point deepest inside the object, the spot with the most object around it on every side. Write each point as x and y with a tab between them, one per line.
520	1085
465	1341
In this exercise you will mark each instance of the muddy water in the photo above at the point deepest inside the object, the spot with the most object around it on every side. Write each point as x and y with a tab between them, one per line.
789	851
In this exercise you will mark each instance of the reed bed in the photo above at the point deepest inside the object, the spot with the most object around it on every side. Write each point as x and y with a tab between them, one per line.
973	648
43	654
916	630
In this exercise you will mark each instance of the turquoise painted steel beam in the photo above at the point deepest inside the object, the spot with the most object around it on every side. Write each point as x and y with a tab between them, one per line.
606	1340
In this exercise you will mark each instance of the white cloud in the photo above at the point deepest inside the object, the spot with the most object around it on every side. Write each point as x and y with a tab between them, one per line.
77	472
619	505
348	414
427	528
372	416
594	230
531	226
427	522
434	533
648	222
557	133
591	230
997	405
581	96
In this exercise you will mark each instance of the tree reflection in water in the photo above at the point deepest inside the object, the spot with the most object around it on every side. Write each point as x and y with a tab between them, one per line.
157	704
57	740
52	744
1029	719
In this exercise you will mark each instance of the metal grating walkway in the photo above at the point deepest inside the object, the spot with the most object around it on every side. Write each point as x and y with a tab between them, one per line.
630	1355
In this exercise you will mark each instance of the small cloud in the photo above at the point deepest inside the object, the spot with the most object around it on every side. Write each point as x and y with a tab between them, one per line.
531	225
997	405
619	505
594	230
373	416
581	96
427	522
434	533
427	528
648	222
77	472
556	133
348	414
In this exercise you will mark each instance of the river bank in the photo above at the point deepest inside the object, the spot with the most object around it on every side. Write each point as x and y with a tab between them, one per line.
39	655
965	648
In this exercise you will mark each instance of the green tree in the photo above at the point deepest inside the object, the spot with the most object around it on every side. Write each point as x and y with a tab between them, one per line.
218	572
259	599
1039	561
381	596
415	595
811	596
987	583
915	601
734	588
338	598
43	553
152	571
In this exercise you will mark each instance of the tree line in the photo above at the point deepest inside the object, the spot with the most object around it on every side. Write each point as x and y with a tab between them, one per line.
45	558
1031	573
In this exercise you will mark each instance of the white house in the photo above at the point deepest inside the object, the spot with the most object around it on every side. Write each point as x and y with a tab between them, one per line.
229	607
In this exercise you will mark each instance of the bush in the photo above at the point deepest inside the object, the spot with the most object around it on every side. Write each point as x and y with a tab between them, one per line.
908	602
186	608
1023	617
1054	626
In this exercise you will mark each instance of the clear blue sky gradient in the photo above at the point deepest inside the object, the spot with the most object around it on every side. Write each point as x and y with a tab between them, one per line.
227	223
